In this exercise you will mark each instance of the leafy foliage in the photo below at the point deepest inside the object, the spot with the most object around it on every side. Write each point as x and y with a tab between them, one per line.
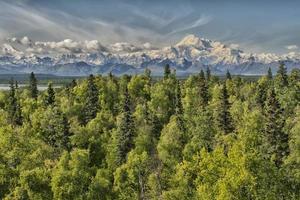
135	137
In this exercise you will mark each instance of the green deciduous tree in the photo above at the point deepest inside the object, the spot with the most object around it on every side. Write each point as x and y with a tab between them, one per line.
171	143
130	179
52	126
71	177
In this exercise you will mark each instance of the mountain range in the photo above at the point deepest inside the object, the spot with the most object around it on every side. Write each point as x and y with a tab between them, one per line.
188	56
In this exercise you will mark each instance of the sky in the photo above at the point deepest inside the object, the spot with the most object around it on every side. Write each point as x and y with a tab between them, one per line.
271	26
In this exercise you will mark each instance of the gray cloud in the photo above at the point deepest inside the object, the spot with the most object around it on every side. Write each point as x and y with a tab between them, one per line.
158	22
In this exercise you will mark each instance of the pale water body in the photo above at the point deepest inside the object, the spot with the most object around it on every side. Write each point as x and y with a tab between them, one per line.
40	87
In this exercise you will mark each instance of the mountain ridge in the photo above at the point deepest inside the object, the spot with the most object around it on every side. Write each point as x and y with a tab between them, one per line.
188	56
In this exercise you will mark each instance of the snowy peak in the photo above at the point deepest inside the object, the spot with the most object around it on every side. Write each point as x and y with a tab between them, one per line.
194	41
192	53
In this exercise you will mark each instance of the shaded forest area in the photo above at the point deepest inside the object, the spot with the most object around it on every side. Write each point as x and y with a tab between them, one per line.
131	137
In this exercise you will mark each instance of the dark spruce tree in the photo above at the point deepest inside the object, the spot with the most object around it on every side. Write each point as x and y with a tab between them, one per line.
147	73
65	141
224	119
18	114
276	137
281	76
178	102
203	90
13	106
261	95
228	75
73	83
50	97
110	75
91	104
167	71
208	74
33	86
179	107
126	131
270	75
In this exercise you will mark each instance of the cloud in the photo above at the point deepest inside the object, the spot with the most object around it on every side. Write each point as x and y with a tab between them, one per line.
26	46
8	49
70	46
234	46
291	47
202	20
94	46
25	41
125	23
124	47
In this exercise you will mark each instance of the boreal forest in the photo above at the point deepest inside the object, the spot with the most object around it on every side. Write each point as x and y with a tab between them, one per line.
140	137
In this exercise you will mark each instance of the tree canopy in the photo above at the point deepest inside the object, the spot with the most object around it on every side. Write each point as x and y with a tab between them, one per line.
142	137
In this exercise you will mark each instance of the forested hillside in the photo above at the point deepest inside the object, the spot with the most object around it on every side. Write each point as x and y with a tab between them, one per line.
133	137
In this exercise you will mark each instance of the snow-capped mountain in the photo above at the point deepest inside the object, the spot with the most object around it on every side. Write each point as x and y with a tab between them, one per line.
189	55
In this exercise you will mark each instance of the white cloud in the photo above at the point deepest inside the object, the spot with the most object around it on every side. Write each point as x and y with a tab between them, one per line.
8	49
124	47
202	20
147	45
94	46
25	41
27	46
291	47
234	46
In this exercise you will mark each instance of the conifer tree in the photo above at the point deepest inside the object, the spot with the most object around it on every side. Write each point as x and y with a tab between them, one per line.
208	74
18	114
178	107
281	76
65	141
148	73
13	106
270	75
261	95
33	86
126	130
91	105
167	71
16	85
73	83
203	90
275	135
178	102
224	119
110	75
50	98
228	75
